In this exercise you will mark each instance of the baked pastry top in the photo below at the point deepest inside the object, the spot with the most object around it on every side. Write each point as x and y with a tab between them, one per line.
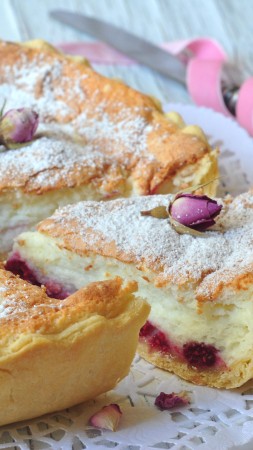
97	139
27	309
93	130
50	350
117	230
199	287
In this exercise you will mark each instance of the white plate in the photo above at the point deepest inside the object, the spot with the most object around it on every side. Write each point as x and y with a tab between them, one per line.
236	146
215	419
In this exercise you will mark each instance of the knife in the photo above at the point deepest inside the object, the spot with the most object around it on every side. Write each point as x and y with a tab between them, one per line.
147	53
135	47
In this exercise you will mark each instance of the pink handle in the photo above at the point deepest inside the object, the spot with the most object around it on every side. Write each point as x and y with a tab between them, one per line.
244	108
204	67
204	84
101	53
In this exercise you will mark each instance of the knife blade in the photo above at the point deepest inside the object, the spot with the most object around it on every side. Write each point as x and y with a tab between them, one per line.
148	53
131	45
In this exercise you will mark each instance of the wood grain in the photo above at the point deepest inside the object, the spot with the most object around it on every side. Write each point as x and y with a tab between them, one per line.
228	21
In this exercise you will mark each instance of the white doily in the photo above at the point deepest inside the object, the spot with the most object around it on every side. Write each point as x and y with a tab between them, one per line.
214	420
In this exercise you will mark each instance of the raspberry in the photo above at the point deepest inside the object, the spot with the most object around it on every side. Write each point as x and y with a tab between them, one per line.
159	342
156	339
147	330
200	355
19	267
55	290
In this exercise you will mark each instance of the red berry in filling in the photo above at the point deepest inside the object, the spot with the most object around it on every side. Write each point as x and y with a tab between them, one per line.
55	290
147	330
159	342
156	339
19	267
200	354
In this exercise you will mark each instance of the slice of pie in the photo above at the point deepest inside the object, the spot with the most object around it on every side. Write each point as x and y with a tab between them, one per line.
55	354
97	139
200	288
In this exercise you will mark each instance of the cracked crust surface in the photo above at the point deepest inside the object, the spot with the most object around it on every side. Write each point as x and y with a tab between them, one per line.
94	130
210	264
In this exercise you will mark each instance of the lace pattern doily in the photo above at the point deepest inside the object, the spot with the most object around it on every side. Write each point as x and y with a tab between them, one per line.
214	420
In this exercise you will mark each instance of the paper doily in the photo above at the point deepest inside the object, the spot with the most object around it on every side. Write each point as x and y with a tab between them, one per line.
215	419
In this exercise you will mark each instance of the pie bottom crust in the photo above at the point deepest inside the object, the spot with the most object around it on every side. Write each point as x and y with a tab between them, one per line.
221	377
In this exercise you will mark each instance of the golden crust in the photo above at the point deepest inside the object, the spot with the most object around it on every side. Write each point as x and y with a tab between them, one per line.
224	378
132	140
219	260
24	299
50	350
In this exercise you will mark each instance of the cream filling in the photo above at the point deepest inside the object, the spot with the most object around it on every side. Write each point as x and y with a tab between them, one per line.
20	211
226	323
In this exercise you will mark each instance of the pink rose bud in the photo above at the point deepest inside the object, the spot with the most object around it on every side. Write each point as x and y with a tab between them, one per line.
194	211
107	418
18	126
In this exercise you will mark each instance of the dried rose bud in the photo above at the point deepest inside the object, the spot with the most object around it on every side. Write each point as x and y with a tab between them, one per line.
18	126
194	211
107	418
169	401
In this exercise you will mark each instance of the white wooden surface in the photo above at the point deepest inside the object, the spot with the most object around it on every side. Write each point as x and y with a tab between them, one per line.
228	21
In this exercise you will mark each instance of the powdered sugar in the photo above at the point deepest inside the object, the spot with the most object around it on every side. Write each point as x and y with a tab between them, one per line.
47	161
10	301
24	81
103	141
9	308
126	134
18	297
216	257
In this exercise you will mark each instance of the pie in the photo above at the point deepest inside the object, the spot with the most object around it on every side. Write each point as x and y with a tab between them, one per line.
97	139
55	354
199	287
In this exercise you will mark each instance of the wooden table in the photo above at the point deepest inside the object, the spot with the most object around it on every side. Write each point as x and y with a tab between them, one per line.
228	21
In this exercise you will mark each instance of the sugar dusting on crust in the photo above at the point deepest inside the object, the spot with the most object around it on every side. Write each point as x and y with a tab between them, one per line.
19	298
47	161
216	258
123	128
30	85
10	301
11	307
